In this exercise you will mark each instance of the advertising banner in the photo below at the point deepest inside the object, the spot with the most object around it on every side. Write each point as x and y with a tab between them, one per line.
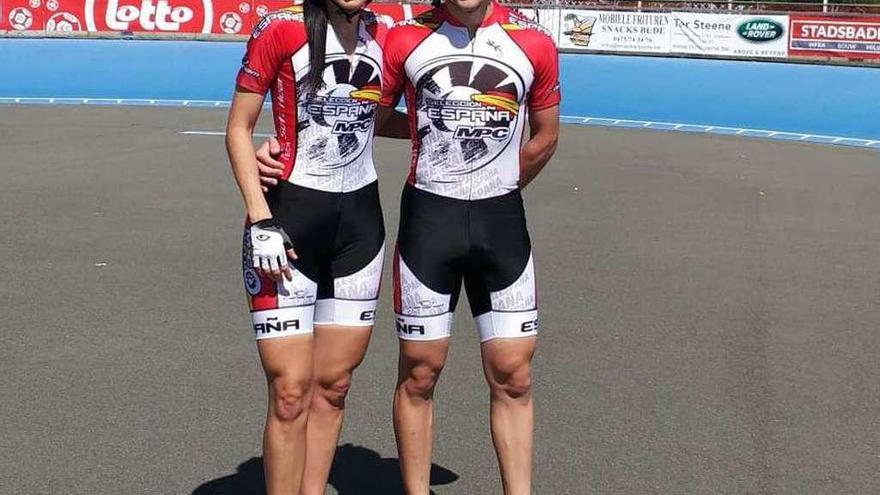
172	16
751	36
723	35
156	16
593	30
850	37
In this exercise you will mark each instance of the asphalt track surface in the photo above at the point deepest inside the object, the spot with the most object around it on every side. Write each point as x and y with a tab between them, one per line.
709	312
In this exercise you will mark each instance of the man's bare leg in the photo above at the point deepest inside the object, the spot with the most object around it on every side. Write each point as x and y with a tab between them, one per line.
419	367
507	366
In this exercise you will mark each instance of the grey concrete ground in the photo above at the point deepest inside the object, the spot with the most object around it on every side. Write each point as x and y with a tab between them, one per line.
710	313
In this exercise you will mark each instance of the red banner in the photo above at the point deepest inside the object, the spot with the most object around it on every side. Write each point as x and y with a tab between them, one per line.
156	16
848	37
169	16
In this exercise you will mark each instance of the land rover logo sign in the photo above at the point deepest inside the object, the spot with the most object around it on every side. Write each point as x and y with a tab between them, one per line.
760	30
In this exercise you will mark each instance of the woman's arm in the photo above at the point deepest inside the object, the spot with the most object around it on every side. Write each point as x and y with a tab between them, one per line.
243	116
270	245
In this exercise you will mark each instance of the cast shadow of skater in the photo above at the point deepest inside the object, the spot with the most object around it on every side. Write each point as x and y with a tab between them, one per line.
360	471
355	471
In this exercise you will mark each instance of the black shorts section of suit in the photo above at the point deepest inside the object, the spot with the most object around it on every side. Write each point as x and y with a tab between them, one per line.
445	241
334	234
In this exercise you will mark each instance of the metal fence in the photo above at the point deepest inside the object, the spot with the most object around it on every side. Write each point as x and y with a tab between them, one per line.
862	7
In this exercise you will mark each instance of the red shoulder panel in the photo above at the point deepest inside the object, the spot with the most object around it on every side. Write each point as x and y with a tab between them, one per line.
273	41
539	48
402	39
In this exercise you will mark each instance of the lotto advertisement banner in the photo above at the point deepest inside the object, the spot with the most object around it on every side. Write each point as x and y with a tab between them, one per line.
157	16
596	30
850	37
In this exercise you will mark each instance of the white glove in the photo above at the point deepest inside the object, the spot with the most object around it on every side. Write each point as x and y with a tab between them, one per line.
270	247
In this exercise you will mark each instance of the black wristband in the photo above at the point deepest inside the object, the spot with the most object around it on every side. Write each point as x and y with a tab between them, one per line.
268	223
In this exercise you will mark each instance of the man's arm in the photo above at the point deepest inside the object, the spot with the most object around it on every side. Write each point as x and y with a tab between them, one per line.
270	169
391	124
544	134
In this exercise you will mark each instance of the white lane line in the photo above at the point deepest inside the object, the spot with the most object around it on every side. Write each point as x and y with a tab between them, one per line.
203	133
701	127
220	133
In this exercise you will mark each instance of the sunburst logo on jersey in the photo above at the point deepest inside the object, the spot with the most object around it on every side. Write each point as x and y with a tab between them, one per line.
469	111
498	100
339	115
369	94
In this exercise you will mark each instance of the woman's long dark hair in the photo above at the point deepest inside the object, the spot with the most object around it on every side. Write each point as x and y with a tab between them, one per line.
315	15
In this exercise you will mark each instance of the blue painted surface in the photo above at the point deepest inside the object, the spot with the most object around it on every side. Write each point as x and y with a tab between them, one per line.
816	99
119	68
838	101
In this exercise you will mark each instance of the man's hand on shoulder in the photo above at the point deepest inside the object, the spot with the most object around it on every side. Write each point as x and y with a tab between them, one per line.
270	168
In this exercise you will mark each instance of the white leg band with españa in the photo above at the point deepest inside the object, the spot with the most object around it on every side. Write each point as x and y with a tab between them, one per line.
423	327
344	312
507	324
283	322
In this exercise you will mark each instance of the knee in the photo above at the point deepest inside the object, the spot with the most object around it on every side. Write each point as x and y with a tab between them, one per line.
290	398
420	380
332	391
512	382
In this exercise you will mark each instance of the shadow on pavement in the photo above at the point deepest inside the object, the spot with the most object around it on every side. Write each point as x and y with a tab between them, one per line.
356	471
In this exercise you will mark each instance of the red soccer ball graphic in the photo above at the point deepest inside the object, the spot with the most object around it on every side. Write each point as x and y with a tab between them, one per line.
230	23
63	22
20	18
